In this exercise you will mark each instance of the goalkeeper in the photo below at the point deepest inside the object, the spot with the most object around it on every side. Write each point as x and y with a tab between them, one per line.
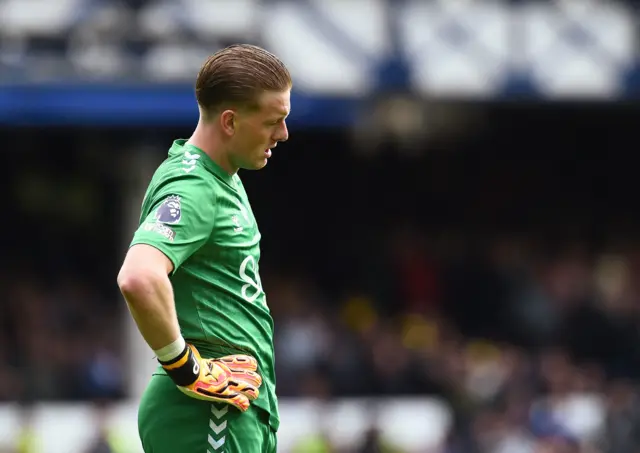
191	276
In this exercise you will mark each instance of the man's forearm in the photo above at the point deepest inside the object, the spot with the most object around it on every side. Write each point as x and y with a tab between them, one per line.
150	300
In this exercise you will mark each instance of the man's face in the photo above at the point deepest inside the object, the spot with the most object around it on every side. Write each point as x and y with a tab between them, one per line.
257	132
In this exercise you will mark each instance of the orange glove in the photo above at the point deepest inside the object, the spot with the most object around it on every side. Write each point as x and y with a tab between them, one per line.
231	379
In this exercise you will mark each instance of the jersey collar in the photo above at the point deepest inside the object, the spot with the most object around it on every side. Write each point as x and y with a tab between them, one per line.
181	146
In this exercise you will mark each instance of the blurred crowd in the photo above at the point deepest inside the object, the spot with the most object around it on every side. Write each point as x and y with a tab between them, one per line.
59	342
534	348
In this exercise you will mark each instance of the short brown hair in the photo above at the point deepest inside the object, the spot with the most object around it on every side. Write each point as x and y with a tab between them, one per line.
237	75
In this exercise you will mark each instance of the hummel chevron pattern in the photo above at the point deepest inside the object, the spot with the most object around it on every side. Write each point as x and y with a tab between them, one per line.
216	444
219	413
217	427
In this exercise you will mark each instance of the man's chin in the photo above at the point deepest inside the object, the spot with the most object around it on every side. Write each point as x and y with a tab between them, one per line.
257	165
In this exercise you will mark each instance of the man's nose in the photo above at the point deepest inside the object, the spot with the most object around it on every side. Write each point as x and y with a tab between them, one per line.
282	134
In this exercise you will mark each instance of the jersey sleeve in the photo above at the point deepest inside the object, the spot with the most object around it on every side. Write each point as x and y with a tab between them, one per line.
180	217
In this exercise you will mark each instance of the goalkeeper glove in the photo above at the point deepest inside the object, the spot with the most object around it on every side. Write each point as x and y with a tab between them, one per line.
231	379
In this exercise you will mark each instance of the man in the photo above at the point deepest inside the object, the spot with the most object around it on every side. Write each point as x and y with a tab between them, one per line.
190	277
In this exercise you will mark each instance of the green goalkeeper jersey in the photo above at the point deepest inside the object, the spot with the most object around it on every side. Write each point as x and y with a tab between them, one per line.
199	216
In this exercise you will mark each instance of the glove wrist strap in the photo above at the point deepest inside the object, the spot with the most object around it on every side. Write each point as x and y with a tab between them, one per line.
184	369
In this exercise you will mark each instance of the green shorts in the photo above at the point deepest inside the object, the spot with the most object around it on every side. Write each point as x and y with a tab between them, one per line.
171	422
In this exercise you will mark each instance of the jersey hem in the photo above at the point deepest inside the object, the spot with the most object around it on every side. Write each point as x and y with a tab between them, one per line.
173	259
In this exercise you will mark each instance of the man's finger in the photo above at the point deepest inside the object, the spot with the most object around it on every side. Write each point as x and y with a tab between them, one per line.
249	377
240	362
246	389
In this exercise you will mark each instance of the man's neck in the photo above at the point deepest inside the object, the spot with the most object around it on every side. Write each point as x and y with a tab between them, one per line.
205	137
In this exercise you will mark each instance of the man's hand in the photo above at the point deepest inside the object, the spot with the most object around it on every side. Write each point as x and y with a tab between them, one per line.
231	379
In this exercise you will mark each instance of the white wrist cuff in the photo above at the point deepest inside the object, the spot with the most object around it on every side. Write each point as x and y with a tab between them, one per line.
171	351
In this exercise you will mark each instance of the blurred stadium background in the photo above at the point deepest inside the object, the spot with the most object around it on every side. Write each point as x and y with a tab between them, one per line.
451	244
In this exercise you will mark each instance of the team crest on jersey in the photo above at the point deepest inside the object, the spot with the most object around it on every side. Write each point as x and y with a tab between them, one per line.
169	211
236	224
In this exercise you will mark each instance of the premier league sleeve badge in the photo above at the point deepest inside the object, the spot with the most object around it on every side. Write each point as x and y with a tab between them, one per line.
169	212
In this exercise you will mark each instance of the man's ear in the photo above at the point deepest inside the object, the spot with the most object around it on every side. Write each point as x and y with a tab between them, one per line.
228	122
